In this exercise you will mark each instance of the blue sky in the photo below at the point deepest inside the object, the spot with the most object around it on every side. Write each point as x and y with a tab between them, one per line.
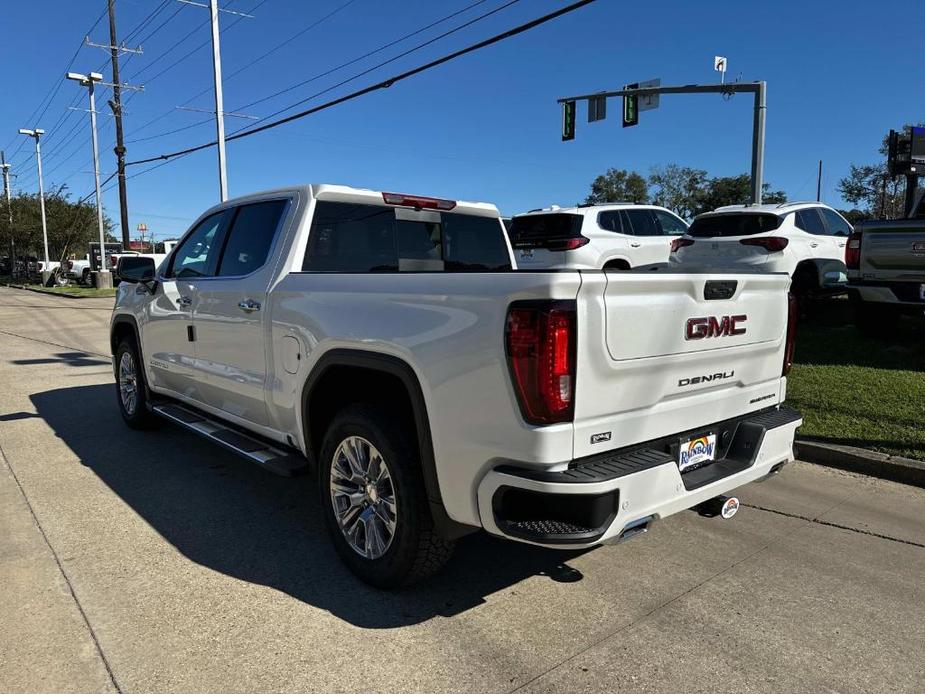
486	127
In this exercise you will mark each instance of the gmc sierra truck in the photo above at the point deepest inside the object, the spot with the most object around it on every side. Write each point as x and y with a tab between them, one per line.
388	341
886	271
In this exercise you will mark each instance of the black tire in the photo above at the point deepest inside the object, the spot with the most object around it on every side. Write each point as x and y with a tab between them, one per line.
415	551
85	278
875	320
138	417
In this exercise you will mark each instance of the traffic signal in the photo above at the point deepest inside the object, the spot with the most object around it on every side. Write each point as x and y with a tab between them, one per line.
630	107
568	120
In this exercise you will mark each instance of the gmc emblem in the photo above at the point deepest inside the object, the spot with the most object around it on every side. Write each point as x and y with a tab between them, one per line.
711	326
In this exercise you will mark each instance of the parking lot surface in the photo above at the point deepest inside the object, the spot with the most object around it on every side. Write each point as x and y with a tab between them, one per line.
155	562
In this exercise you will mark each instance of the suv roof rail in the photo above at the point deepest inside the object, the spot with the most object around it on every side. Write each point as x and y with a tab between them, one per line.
610	202
800	202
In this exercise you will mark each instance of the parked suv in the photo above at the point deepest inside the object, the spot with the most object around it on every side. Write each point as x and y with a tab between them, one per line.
616	236
804	239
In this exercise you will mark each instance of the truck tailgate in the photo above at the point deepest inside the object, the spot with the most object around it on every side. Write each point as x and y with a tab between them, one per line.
657	357
895	251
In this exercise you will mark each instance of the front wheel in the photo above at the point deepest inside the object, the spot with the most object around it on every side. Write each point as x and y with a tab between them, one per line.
130	387
374	501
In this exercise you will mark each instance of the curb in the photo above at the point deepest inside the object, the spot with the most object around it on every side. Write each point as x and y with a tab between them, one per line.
888	467
55	294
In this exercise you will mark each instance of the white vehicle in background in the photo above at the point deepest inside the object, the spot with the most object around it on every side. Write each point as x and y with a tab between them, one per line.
615	236
78	270
804	239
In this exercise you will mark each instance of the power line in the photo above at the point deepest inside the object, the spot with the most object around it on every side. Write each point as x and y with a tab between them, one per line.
384	84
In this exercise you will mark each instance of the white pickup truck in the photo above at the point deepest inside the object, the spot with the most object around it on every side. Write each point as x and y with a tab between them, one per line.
388	341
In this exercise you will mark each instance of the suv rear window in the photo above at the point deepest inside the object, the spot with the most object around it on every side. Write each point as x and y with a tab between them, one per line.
744	224
347	237
536	230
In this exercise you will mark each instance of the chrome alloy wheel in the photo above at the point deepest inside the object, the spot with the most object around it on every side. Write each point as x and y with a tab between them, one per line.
363	497
128	383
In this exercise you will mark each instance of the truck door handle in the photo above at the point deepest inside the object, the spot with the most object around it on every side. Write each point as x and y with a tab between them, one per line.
635	245
249	305
841	244
184	301
813	245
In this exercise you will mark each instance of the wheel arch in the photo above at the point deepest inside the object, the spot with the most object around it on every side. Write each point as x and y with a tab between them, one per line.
340	365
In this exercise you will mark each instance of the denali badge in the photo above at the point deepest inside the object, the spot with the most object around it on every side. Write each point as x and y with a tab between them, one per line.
600	438
706	378
711	326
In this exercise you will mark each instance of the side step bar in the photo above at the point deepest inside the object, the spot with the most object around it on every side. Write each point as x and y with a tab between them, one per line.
275	460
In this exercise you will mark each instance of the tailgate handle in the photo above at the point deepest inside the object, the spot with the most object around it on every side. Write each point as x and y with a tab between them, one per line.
715	290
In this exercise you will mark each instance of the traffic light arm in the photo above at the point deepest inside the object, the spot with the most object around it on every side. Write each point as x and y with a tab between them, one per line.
759	89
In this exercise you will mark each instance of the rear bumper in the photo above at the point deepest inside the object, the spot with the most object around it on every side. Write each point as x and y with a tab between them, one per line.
604	498
904	295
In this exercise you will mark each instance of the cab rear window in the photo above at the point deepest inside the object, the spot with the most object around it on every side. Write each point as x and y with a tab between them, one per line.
537	230
745	224
346	237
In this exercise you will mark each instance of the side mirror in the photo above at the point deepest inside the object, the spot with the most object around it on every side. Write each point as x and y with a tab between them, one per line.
135	269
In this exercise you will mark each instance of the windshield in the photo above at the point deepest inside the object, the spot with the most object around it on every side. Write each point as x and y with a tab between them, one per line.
743	224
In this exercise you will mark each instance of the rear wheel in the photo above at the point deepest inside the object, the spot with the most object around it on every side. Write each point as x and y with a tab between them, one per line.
130	386
374	501
616	266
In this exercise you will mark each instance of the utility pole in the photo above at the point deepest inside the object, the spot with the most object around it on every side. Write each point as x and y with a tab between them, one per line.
219	100
214	10
104	279
759	89
9	208
819	183
36	134
116	106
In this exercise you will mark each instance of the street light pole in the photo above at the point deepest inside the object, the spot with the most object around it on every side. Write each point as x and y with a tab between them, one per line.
9	208
88	81
36	134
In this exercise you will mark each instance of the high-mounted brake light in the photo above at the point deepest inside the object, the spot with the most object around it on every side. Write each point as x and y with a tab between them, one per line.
772	244
792	315
853	251
540	342
418	201
679	243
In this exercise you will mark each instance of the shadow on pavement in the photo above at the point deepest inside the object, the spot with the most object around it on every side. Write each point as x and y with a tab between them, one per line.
68	358
227	514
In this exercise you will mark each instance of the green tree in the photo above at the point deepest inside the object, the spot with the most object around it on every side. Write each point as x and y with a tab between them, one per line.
678	188
734	190
618	185
71	225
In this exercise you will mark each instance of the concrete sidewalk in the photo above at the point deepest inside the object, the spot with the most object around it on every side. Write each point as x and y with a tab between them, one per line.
153	562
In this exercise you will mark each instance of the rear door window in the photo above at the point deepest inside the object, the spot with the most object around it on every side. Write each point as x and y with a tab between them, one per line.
642	222
250	237
835	224
670	225
810	221
345	237
734	224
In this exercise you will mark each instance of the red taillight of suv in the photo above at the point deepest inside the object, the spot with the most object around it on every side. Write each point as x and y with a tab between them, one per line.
792	315
772	244
565	244
853	251
540	345
679	243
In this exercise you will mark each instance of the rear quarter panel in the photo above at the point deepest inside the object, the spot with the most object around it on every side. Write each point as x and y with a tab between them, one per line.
449	328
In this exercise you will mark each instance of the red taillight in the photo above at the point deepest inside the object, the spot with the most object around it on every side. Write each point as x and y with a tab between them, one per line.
853	251
540	340
679	243
418	201
792	315
772	244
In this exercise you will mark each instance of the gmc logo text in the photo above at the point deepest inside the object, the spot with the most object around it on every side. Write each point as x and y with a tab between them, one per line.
711	326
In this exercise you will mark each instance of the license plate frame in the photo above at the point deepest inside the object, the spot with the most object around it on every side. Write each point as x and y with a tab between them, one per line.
696	452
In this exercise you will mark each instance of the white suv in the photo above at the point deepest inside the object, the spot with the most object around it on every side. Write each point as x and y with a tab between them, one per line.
804	239
612	236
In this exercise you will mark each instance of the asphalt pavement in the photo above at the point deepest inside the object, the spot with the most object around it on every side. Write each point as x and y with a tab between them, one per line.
155	562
